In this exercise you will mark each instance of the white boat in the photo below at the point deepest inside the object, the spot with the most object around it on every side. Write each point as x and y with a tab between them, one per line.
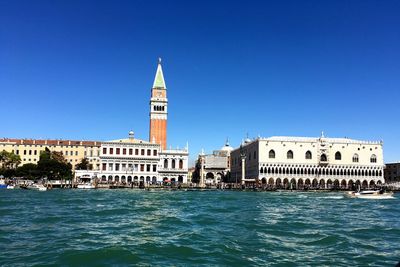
38	187
10	186
86	186
371	194
86	181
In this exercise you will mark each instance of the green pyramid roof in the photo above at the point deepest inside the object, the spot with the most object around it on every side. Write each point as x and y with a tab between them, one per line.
159	79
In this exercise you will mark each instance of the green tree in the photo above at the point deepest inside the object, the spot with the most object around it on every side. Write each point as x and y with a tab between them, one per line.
84	165
53	165
9	160
28	170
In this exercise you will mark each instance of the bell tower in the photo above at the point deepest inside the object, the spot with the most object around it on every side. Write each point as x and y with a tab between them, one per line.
158	109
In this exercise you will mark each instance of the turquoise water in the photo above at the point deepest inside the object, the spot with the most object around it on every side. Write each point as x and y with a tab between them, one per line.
132	227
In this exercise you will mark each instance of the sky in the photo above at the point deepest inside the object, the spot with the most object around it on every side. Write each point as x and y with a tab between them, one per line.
83	70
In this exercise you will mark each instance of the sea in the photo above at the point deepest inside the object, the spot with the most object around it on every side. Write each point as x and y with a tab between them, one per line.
131	227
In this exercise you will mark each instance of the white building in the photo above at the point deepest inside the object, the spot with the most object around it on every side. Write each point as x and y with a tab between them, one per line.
300	162
133	160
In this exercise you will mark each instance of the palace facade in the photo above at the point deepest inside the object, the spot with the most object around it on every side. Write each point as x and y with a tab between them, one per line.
305	162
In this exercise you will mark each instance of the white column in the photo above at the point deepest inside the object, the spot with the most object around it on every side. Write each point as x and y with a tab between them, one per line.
243	169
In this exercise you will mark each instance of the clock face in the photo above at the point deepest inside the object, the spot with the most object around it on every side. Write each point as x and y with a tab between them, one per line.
159	94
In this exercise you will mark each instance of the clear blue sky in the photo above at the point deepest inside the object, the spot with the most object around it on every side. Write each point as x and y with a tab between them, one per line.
84	69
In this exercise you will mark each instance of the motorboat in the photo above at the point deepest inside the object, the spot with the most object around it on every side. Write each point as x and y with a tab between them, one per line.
86	181
39	187
371	194
86	186
11	186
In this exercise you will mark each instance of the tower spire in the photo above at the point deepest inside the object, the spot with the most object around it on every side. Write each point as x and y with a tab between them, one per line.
159	81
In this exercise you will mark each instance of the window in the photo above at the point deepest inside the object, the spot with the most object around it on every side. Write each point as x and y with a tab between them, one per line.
373	158
180	164
24	152
117	166
148	152
110	166
173	164
124	151
104	166
290	154
154	168
130	151
30	152
324	158
308	155
271	154
136	151
111	150
355	158
165	164
76	153
155	152
338	156
142	152
117	151
142	167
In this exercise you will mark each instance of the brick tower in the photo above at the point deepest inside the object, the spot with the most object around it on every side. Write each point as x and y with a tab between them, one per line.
158	109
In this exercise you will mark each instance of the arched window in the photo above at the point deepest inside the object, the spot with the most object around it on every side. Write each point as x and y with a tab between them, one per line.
271	154
338	156
355	158
308	155
373	158
180	164
323	157
173	164
290	154
165	164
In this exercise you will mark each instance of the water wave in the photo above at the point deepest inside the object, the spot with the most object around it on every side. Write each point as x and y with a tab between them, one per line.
133	227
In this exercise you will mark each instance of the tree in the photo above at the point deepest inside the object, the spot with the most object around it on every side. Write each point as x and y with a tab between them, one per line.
9	160
28	170
53	165
84	165
227	177
196	172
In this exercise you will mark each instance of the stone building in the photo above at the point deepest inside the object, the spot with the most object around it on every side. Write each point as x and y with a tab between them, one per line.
74	151
299	162
392	172
213	168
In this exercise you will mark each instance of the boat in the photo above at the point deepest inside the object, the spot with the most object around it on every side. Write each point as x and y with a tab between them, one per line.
86	186
11	186
371	194
39	187
86	181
